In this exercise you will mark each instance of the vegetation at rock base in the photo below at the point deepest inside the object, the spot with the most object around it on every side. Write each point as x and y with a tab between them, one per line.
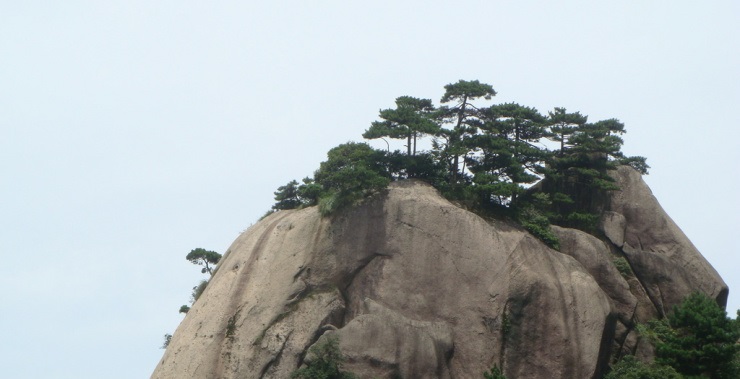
630	368
697	340
494	373
326	362
352	172
491	158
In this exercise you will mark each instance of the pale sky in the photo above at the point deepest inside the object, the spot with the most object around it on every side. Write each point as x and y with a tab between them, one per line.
134	131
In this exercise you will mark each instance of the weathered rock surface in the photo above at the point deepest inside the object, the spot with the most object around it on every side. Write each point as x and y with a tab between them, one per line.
662	257
417	287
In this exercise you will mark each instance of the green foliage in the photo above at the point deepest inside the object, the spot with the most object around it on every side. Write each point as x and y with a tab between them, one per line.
702	340
581	220
638	163
351	164
505	324
464	90
167	339
562	125
286	196
531	212
507	144
330	203
654	329
269	212
423	166
198	290
293	195
485	157
462	120
630	368
352	172
623	267
539	225
205	258
208	259
494	373
577	175
309	192
231	325
489	189
326	363
697	339
410	119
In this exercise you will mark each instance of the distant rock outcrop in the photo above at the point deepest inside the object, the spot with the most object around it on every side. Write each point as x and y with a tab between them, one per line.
417	287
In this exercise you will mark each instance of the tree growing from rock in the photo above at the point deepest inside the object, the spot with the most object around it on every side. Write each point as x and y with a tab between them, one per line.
206	258
465	119
502	153
351	172
577	176
286	197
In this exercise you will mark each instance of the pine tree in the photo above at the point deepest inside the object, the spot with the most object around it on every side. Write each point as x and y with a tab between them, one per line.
410	120
286	196
700	340
508	155
351	172
465	119
578	174
563	125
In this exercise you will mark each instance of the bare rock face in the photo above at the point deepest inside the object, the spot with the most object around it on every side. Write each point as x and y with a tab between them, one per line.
662	257
416	287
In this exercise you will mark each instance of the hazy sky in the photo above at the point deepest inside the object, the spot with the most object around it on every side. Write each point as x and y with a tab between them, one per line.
134	131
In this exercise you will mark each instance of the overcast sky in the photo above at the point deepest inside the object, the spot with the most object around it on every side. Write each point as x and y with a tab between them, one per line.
134	131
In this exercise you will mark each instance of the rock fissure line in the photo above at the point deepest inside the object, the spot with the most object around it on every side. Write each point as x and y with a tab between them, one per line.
621	253
363	264
276	358
651	296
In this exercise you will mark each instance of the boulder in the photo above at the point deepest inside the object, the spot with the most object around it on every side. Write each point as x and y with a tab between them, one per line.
415	286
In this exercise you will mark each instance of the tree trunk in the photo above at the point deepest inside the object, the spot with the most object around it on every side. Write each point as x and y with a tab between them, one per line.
414	143
460	116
